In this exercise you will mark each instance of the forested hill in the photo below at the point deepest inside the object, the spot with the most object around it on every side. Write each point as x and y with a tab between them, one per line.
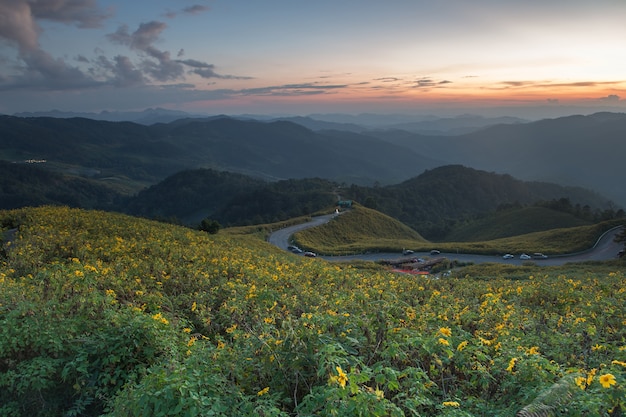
434	202
577	150
148	154
586	151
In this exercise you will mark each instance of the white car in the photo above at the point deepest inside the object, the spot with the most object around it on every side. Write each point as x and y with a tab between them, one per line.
508	256
524	256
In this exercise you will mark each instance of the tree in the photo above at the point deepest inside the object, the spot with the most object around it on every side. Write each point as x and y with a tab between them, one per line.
210	226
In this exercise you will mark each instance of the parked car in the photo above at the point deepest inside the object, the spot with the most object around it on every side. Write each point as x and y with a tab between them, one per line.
407	252
508	256
435	252
524	256
310	254
294	249
539	255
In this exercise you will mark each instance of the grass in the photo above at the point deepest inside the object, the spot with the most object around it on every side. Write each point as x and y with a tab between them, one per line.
358	230
514	222
364	230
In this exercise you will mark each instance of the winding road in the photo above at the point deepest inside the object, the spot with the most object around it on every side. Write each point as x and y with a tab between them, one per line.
604	249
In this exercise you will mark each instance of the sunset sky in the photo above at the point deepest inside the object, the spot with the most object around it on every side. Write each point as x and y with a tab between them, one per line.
530	58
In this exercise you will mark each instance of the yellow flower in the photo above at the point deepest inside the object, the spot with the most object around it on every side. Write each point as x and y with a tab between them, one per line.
451	404
194	306
187	330
533	350
444	341
512	363
263	391
445	331
159	317
590	376
461	345
580	381
619	363
342	378
597	347
379	393
607	380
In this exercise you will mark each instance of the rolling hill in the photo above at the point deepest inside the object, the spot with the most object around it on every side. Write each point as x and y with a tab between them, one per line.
585	151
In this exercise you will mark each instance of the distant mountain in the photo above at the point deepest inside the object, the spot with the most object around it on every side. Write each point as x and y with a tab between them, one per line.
585	151
144	117
455	125
581	151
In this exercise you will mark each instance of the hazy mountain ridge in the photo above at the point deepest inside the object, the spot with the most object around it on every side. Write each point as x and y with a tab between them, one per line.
582	151
577	150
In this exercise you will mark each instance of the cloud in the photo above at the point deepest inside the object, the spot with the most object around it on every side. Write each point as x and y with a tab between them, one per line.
18	18
161	67
207	70
611	98
19	27
142	40
429	83
195	9
304	89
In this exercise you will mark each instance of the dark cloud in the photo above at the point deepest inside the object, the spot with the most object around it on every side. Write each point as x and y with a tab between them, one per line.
387	79
195	9
612	98
142	40
293	89
125	73
429	83
18	18
83	13
38	69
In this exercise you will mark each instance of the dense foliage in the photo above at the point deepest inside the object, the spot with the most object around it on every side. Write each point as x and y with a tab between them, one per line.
437	201
107	314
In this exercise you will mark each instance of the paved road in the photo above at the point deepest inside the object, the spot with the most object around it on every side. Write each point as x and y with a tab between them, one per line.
604	249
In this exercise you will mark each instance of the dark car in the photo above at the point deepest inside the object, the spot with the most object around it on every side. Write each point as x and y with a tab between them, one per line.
435	252
294	249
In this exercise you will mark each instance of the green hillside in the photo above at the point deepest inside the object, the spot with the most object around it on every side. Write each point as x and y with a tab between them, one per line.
434	202
358	230
513	222
362	230
105	314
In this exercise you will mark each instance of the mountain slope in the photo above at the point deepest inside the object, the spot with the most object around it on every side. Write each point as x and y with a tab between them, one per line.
584	151
432	202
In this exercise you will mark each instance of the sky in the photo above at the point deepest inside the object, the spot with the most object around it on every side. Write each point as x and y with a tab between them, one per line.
525	58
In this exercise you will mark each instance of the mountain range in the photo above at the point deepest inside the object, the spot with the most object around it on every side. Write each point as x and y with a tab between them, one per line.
585	151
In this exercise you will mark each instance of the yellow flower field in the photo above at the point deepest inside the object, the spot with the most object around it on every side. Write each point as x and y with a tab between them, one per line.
105	314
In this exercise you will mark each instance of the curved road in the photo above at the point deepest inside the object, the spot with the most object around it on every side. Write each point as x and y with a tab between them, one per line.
604	249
